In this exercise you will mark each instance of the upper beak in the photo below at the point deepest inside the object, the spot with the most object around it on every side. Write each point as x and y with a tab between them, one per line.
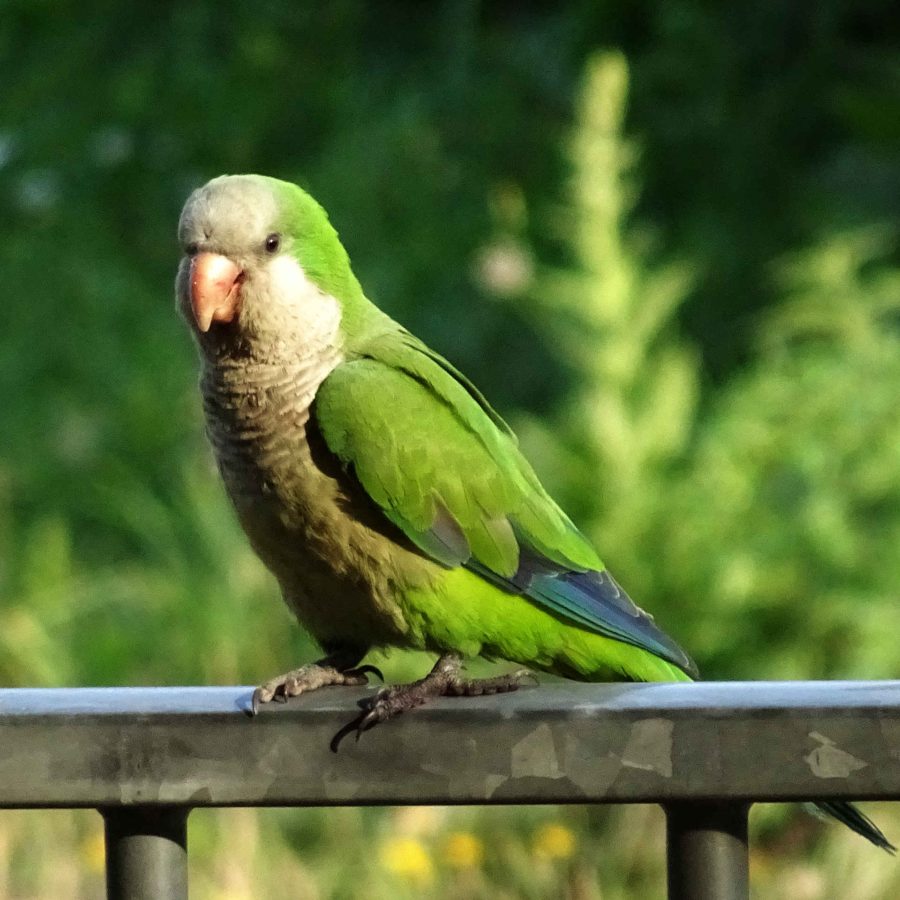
215	289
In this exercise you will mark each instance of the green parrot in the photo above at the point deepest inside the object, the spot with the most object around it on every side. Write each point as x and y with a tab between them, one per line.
374	480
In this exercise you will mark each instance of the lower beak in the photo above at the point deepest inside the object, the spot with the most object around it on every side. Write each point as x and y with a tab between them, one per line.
215	289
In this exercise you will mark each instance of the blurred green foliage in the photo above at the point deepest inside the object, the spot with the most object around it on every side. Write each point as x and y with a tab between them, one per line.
673	265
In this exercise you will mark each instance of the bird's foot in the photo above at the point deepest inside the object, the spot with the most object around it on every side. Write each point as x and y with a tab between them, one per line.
309	678
442	681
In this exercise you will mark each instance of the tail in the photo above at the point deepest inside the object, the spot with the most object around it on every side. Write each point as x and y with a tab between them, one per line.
597	598
856	821
595	602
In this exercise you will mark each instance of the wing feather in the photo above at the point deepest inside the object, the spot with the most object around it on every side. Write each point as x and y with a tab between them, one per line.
445	469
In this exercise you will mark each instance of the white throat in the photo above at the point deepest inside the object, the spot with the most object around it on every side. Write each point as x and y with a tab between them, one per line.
293	311
291	341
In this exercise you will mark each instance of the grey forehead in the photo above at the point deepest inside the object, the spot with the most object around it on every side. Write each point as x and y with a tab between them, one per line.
230	210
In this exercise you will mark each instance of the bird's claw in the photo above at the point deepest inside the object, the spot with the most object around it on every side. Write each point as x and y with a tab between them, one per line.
374	710
354	725
265	693
260	695
308	678
443	680
367	670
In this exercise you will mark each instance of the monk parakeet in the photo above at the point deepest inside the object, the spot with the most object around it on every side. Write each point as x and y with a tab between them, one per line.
375	481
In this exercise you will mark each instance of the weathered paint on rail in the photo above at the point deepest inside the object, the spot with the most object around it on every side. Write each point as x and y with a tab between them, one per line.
555	743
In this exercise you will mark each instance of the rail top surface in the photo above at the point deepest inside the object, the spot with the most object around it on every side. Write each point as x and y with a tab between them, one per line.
555	743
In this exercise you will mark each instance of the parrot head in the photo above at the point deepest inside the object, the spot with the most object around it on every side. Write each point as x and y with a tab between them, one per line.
260	260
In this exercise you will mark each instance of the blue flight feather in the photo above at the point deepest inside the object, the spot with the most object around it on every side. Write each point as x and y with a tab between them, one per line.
596	602
593	600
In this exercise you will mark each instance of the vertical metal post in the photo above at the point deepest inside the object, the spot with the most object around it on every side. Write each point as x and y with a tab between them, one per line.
146	853
708	857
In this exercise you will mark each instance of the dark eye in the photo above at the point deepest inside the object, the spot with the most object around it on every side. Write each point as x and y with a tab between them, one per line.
191	249
273	242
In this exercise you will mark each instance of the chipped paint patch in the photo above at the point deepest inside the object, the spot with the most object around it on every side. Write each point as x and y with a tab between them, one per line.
492	782
535	755
649	747
829	761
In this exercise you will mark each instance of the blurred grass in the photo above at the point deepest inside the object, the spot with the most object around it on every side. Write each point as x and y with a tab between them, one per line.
757	515
519	853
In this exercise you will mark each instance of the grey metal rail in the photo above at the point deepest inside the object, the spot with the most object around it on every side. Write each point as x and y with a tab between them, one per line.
146	756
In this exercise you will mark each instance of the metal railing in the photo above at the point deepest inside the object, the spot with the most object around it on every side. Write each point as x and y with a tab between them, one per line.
146	756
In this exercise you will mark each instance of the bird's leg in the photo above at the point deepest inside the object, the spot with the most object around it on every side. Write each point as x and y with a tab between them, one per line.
340	667
442	681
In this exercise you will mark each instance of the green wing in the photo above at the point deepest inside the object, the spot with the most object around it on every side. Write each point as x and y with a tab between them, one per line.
445	468
441	464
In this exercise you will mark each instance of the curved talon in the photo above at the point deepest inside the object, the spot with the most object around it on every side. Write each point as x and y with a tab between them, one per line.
368	718
309	678
366	670
349	728
443	680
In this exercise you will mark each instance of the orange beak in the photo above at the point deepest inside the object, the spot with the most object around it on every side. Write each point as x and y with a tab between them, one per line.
215	289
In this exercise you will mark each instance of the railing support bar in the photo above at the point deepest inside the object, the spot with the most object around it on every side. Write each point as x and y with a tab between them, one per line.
707	851
146	853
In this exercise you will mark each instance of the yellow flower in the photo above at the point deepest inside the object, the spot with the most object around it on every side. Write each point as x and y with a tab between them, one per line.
407	858
553	841
463	850
93	850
